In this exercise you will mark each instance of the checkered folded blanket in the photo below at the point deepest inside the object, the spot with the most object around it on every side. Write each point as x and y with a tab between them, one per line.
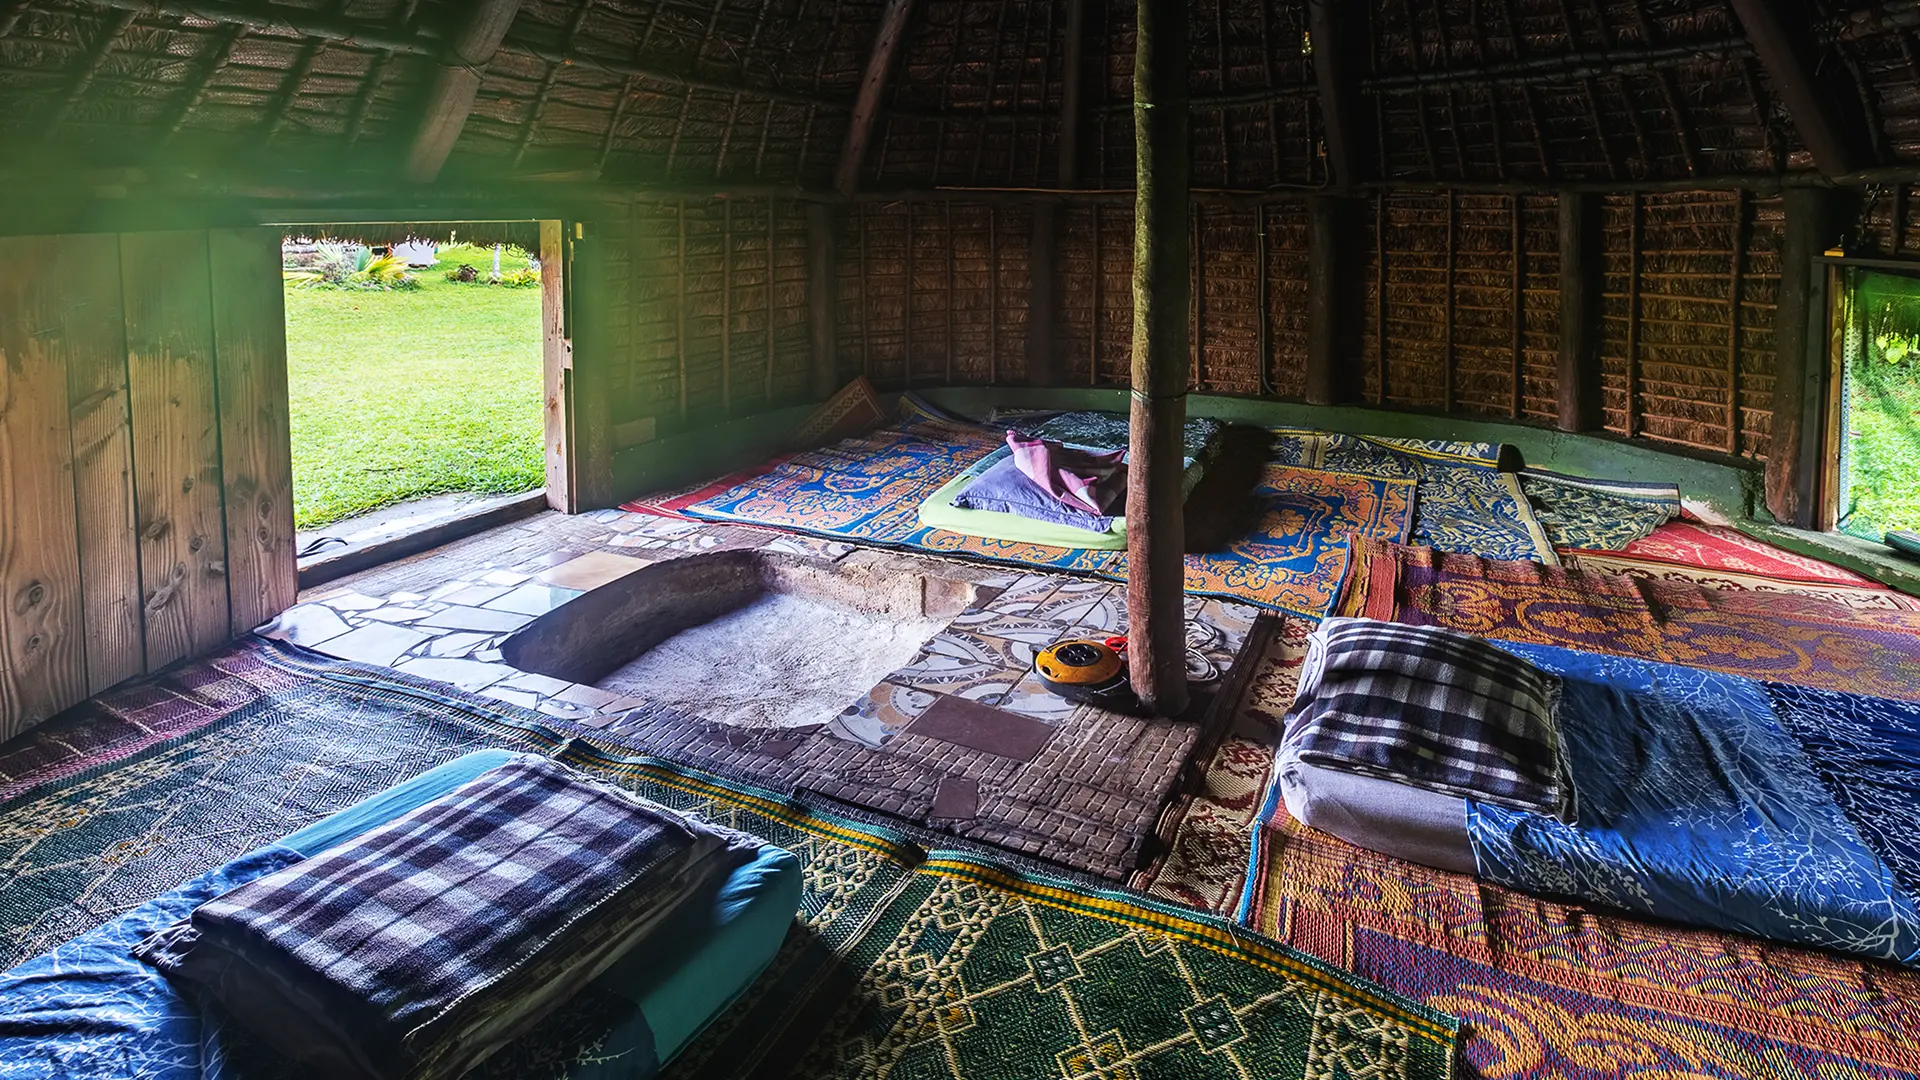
419	947
1432	708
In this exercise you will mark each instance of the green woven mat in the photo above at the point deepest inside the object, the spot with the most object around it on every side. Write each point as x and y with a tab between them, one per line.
906	964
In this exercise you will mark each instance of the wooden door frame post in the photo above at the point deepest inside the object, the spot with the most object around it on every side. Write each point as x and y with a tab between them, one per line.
1156	531
822	298
1795	451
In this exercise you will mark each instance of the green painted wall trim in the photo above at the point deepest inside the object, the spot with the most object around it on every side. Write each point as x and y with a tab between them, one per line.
1877	561
1731	490
689	457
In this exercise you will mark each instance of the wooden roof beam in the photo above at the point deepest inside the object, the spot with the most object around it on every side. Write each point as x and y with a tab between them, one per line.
887	42
1339	35
1783	41
456	86
302	22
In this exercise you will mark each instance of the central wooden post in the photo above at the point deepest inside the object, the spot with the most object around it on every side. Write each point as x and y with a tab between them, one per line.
1156	532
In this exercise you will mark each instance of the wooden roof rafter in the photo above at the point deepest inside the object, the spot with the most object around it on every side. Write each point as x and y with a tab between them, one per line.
376	75
539	105
196	93
96	56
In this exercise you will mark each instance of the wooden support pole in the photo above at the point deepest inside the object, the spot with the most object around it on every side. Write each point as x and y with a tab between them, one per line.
1099	301
1339	35
1043	298
1735	284
680	310
766	375
887	44
1332	288
1578	377
948	241
456	85
727	248
993	296
1451	361
1783	39
1633	314
1799	334
821	301
1156	532
1380	291
1263	296
1518	402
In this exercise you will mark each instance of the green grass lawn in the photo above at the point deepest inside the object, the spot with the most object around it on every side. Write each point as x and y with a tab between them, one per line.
398	395
1883	460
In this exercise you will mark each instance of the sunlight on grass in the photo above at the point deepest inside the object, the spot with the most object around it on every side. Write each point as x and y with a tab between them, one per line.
398	395
1881	459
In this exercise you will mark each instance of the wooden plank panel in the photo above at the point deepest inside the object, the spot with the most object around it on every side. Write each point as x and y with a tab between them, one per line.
103	462
556	359
256	455
176	442
42	648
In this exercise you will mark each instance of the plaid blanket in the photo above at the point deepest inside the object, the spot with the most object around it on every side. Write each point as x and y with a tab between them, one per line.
420	946
1432	708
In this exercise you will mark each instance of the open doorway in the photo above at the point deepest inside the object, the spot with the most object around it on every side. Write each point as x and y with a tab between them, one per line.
417	366
1878	488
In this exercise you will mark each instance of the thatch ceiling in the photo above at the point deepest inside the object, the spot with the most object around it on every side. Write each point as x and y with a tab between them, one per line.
713	93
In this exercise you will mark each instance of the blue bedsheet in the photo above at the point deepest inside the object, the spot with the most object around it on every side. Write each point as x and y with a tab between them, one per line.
89	1011
1711	799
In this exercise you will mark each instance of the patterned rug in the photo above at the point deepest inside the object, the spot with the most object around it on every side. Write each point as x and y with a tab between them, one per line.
1781	637
1289	556
1205	836
1871	597
1465	503
1557	990
1599	515
1719	547
907	962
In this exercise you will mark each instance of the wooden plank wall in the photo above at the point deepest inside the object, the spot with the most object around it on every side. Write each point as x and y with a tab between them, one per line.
145	484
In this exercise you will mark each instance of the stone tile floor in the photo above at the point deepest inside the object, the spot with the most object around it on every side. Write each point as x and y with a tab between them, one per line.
452	631
962	739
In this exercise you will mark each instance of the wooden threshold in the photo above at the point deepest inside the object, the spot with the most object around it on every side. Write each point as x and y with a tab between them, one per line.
492	513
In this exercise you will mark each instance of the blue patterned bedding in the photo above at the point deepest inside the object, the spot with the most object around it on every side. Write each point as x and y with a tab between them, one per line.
89	1011
1780	811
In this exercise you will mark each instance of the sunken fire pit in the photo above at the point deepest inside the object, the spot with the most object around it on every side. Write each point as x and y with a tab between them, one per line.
749	638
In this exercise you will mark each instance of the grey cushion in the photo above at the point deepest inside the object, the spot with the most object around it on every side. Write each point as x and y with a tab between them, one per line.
1410	823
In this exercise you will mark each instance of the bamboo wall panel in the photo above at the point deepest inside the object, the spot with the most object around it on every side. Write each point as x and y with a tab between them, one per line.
707	306
1286	298
42	648
1688	317
144	458
1096	296
931	294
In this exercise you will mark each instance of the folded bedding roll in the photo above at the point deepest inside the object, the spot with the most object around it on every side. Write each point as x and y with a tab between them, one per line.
416	949
1005	488
1431	708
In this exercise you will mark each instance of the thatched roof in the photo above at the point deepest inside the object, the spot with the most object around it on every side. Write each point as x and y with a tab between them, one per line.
731	93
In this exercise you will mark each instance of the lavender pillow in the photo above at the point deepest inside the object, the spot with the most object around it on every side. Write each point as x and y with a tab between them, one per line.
1003	488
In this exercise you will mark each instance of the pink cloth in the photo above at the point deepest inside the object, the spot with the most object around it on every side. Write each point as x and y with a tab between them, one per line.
1083	479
